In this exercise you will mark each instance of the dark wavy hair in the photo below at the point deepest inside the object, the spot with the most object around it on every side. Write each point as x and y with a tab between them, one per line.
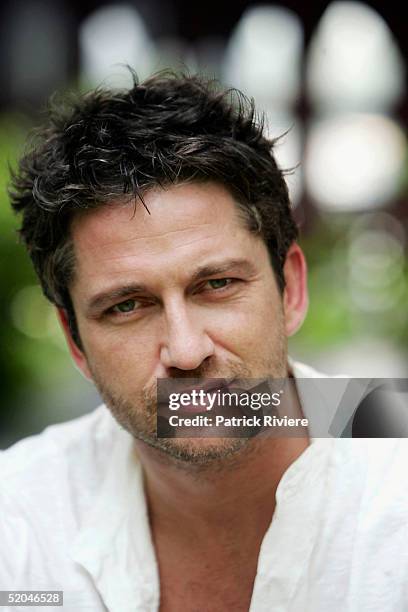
109	144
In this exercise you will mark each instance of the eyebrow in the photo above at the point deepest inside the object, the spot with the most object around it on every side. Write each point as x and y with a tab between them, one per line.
109	296
99	301
224	266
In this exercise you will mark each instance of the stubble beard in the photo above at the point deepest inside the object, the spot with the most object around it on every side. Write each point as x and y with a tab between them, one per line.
139	414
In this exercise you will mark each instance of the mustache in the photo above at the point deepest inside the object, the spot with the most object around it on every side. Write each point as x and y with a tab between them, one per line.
205	370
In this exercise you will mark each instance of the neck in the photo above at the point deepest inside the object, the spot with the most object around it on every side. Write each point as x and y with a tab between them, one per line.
235	493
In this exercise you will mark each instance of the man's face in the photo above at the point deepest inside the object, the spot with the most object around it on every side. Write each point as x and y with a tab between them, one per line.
186	291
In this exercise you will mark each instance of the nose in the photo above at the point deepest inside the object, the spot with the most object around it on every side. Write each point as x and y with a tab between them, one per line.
186	343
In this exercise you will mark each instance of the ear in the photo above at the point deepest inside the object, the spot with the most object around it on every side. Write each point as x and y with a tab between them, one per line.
295	297
77	355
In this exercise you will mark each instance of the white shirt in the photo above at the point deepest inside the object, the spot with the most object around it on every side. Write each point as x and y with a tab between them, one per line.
73	517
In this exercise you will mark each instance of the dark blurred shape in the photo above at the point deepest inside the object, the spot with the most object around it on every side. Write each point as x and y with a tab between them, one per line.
39	38
383	413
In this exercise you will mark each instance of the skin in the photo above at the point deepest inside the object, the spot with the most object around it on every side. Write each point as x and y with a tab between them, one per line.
232	321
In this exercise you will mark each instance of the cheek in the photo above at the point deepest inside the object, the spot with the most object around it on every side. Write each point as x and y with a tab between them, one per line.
122	355
249	326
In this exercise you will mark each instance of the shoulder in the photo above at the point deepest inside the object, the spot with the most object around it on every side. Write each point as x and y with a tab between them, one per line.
380	461
56	473
366	495
47	483
41	454
367	490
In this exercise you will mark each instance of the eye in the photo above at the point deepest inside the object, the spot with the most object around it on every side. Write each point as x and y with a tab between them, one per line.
219	283
126	306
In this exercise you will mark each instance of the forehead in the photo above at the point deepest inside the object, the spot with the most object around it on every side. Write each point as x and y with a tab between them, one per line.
179	216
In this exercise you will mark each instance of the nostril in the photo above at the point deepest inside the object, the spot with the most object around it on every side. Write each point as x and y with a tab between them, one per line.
200	372
180	354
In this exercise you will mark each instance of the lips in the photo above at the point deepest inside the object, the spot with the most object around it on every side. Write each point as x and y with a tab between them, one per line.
179	387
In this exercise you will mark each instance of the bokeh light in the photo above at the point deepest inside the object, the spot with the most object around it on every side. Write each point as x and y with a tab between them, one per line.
112	37
354	161
264	55
353	61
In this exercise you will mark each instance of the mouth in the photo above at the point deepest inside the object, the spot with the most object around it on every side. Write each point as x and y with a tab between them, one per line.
198	394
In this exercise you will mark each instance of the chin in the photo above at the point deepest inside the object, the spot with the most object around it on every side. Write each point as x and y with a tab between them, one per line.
204	452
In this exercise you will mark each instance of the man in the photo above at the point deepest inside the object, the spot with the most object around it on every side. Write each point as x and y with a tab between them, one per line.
160	226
